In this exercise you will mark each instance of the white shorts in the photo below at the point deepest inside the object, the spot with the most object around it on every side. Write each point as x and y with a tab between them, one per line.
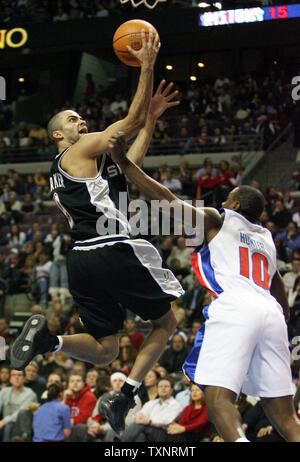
243	345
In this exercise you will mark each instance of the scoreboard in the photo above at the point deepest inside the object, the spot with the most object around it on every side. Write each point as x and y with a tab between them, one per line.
247	15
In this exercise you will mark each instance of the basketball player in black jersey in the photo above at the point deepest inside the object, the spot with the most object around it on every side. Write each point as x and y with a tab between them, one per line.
108	272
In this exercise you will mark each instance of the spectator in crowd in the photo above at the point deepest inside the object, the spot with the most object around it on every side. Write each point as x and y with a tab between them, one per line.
52	421
192	301
33	381
13	203
148	390
91	379
39	178
80	399
280	215
127	358
183	391
38	136
290	277
194	329
294	304
291	237
151	422
4	377
79	368
166	248
288	201
172	183
4	329
181	252
118	105
28	205
136	338
12	400
16	237
42	274
96	428
172	358
206	185
101	11
193	425
257	426
61	243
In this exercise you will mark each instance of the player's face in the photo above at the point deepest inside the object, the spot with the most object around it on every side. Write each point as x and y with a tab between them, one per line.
73	126
231	203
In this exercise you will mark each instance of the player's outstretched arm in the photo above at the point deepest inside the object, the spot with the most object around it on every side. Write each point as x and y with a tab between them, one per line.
138	110
153	190
162	100
278	292
94	144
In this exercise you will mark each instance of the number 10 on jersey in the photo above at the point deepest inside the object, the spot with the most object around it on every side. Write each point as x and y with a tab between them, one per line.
259	263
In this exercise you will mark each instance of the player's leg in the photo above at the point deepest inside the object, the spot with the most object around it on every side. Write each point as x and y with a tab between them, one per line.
36	338
85	347
115	408
222	413
281	413
153	345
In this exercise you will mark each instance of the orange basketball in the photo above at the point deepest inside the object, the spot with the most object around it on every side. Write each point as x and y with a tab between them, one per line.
129	33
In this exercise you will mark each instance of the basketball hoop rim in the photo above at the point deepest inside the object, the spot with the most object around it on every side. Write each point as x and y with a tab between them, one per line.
140	2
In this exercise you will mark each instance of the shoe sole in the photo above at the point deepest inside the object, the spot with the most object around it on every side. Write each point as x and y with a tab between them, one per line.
106	412
23	350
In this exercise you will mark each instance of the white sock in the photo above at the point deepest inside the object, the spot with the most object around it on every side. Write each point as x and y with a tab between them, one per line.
134	384
242	440
60	344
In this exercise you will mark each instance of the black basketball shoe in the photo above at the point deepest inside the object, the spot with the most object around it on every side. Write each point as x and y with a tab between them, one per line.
114	409
34	339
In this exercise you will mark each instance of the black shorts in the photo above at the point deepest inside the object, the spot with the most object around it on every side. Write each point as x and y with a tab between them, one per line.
105	279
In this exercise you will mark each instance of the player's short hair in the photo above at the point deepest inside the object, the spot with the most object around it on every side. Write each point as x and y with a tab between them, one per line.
54	124
252	202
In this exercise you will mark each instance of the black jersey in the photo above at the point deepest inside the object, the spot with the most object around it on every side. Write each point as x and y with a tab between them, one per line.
93	206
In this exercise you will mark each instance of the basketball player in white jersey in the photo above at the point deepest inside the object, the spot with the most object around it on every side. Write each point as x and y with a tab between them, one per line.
243	344
108	272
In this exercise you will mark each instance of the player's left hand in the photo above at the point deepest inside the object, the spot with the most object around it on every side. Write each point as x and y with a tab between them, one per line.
117	145
162	100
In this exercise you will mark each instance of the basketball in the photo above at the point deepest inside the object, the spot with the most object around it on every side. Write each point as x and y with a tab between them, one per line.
129	33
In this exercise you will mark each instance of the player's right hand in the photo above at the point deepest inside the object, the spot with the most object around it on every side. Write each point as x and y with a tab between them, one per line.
148	53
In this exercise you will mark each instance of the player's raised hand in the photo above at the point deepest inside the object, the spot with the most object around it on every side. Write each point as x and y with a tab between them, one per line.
162	99
117	145
148	53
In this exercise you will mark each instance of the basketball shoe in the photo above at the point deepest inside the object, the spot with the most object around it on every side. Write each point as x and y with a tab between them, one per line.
34	339
114	409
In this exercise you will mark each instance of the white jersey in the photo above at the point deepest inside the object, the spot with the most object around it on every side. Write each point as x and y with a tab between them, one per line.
243	343
240	258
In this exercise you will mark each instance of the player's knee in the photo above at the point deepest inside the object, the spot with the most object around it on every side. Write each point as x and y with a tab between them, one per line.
107	356
215	406
167	322
108	353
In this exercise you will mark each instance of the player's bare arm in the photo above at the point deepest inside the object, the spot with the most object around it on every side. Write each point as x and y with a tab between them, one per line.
278	291
162	100
153	190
